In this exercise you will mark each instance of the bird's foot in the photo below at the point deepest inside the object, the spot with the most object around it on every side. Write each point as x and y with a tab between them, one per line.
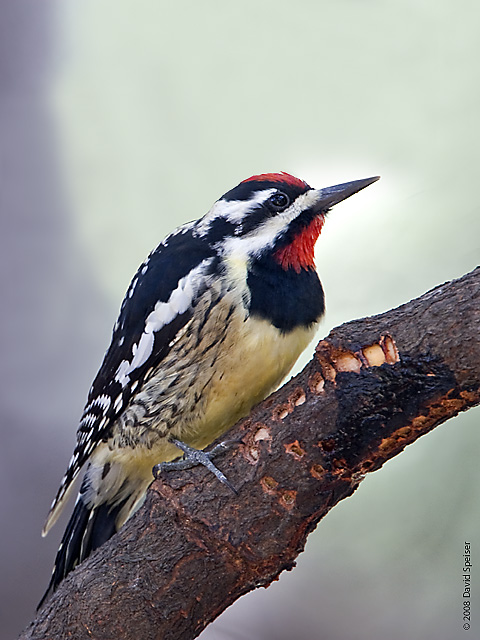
193	457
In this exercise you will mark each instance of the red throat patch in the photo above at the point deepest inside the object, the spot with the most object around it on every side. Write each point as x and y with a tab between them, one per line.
299	254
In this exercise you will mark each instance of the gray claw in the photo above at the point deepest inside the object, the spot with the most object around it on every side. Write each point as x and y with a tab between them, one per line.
193	457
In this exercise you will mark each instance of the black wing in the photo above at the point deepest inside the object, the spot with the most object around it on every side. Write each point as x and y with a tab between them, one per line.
161	295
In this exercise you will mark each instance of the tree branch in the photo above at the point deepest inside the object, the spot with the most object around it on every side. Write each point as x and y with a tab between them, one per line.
373	386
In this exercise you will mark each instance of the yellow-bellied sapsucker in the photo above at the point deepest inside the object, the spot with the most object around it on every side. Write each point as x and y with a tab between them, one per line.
212	322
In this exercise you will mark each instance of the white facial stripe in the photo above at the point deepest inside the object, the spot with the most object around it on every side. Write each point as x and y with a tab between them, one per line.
233	210
265	235
236	210
164	312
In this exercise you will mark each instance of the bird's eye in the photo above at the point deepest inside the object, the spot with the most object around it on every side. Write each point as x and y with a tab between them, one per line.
279	201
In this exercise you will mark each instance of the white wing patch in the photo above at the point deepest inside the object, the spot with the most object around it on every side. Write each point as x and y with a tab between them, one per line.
163	314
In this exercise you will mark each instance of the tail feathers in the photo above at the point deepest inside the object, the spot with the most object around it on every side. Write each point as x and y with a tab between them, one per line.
88	528
58	504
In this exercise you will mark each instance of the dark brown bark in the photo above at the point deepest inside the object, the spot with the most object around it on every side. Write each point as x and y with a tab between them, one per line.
373	386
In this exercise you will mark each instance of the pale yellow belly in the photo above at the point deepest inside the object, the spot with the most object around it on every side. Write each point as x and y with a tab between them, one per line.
249	364
258	358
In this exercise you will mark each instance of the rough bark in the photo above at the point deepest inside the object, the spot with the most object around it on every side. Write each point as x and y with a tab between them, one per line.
373	386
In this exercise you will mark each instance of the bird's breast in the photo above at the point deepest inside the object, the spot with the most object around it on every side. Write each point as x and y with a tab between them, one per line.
255	358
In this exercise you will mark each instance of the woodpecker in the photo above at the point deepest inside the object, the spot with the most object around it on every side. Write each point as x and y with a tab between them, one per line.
212	322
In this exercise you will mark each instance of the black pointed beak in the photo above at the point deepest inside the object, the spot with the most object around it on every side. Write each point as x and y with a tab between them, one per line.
330	196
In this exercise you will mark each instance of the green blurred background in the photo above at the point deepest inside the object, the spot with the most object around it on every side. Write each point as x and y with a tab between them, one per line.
120	120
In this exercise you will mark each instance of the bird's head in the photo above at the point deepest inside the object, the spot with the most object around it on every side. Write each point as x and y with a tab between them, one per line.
274	214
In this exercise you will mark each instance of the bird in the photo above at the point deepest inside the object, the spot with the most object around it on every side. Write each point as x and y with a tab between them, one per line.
212	322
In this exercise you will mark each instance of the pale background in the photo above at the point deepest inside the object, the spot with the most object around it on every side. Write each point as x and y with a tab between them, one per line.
120	120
